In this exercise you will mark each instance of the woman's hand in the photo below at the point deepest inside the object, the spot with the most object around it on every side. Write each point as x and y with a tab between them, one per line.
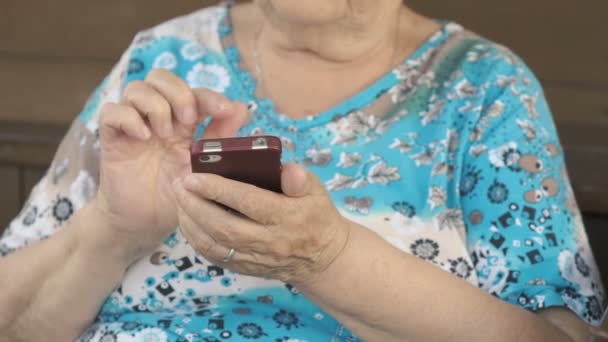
292	237
145	144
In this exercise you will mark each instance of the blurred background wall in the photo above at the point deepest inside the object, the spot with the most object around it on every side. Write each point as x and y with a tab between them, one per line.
53	54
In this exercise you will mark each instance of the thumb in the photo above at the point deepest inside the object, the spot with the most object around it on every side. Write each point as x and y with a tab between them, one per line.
295	181
226	124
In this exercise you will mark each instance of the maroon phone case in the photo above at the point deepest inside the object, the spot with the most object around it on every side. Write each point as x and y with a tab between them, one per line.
254	160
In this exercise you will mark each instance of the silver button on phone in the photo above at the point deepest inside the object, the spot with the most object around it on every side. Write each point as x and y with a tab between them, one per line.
259	143
212	146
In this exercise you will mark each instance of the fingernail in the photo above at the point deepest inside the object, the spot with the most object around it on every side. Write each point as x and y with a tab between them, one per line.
223	106
189	116
249	117
191	183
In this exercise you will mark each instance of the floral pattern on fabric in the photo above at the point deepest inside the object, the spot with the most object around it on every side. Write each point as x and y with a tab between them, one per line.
452	157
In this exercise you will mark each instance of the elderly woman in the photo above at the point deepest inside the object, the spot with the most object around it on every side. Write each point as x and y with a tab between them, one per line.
424	197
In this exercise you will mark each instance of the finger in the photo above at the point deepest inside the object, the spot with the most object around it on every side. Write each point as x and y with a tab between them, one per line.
216	253
223	225
116	120
199	240
151	104
179	95
258	204
229	126
227	116
212	103
295	181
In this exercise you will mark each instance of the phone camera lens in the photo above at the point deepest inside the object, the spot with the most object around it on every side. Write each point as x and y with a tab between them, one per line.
210	158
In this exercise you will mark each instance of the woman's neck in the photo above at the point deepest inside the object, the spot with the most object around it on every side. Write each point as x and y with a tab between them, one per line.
343	38
329	61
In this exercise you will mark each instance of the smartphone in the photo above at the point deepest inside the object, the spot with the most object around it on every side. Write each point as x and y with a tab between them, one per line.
254	160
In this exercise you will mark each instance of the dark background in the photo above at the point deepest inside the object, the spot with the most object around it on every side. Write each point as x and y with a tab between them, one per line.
53	53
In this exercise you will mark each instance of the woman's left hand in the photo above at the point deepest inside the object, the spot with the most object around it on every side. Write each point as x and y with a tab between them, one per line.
292	237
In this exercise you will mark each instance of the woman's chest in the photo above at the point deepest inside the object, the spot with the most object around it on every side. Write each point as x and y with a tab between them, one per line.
383	177
387	175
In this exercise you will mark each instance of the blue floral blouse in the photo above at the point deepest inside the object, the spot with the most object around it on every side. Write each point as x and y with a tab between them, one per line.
452	157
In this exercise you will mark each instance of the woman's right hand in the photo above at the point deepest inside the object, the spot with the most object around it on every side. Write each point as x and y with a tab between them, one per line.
145	146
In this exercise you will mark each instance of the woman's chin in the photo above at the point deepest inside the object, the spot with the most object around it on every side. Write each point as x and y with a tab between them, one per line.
309	12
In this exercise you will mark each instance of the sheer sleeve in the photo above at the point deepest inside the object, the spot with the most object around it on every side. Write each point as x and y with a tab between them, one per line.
71	180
